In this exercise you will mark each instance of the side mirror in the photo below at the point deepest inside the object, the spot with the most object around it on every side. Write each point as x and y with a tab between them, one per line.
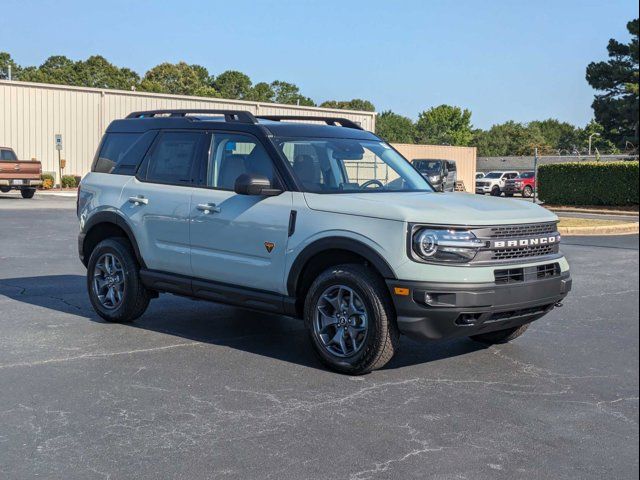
253	184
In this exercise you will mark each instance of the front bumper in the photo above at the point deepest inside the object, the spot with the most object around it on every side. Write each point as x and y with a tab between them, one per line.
512	189
483	189
460	310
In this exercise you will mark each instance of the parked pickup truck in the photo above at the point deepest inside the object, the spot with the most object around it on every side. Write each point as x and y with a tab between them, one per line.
23	175
525	184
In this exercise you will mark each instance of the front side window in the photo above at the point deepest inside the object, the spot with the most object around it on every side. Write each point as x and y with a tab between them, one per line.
174	157
428	167
337	165
527	175
231	155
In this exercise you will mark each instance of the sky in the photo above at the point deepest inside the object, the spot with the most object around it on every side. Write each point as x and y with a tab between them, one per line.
503	60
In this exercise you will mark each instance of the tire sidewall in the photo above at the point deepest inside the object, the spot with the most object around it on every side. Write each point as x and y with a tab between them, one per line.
527	192
344	275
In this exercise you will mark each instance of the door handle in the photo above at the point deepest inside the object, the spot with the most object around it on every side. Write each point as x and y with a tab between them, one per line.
207	208
138	200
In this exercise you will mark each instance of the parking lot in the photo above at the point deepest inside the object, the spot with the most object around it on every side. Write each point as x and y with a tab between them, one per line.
199	390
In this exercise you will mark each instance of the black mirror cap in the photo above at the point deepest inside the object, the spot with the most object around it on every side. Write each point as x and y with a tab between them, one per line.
253	184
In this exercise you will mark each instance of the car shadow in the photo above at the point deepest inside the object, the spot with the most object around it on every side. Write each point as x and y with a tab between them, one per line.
273	336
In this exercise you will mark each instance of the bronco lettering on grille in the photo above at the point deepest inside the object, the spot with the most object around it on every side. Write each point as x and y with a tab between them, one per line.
525	242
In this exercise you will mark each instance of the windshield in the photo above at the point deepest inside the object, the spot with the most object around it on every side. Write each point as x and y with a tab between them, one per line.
339	165
429	167
526	175
493	175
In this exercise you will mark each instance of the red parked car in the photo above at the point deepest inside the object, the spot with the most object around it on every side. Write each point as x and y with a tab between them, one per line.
524	184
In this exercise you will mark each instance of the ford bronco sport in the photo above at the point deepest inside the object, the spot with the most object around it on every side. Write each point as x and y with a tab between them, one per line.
324	222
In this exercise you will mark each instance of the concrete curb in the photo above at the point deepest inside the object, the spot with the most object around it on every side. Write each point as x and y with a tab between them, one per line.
627	213
616	229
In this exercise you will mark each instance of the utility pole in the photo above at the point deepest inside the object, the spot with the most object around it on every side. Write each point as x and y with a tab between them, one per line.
535	176
591	136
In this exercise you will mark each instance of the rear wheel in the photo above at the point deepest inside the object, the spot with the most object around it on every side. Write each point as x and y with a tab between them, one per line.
351	320
5	189
501	336
527	192
28	192
113	282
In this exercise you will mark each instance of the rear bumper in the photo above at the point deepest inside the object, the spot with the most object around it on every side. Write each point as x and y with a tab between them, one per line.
459	310
25	183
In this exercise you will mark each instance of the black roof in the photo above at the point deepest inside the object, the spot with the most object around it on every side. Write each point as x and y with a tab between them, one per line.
241	122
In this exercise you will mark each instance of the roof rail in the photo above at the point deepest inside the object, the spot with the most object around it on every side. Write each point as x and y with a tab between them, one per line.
238	116
334	121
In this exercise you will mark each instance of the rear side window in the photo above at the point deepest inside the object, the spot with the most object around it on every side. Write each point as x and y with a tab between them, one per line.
121	153
174	158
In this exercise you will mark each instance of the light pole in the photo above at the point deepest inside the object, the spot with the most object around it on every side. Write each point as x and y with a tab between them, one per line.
591	136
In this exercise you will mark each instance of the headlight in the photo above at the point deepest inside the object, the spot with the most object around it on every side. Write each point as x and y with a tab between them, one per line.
434	179
445	246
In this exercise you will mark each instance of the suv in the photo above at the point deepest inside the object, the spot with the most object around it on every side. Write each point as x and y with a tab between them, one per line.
525	184
442	174
494	182
324	222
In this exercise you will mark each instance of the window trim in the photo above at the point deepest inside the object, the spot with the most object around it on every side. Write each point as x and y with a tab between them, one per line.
143	168
203	169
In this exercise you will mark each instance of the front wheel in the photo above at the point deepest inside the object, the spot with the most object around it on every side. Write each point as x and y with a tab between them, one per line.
496	192
527	192
113	282
501	336
351	320
28	192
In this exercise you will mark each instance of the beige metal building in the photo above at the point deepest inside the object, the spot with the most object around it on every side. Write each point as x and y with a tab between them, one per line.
32	114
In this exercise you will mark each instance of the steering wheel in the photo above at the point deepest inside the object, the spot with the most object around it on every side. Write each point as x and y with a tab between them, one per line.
375	182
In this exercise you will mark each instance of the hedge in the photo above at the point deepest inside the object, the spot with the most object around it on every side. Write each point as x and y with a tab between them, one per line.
589	183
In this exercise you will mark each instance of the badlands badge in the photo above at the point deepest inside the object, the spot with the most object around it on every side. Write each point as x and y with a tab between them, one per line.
269	246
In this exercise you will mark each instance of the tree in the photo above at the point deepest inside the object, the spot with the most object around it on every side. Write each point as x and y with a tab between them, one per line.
444	125
598	142
179	78
617	108
232	84
56	69
97	72
510	138
394	128
559	136
261	92
5	62
289	94
355	104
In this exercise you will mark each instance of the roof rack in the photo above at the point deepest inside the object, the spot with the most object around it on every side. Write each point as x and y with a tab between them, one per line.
334	121
238	116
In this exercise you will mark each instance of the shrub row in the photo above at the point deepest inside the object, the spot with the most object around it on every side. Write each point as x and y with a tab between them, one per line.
68	181
589	183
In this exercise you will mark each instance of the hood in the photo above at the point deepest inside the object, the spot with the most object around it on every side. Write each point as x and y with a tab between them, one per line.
435	208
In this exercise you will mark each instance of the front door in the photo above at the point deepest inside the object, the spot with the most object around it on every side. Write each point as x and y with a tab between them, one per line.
239	239
157	202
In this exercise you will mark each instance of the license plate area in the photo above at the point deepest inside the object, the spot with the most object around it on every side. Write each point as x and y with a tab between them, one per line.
17	182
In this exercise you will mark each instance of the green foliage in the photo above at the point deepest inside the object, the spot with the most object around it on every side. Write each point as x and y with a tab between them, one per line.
69	181
261	92
592	183
444	125
47	176
394	128
178	79
355	104
617	108
232	84
510	138
289	94
5	62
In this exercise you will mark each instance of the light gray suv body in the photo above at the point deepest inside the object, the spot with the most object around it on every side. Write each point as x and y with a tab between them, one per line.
323	222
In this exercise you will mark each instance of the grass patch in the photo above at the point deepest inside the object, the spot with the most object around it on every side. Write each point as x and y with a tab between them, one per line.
587	222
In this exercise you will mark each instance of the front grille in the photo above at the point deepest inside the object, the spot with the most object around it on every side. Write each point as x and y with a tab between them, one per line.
509	275
510	231
549	270
524	252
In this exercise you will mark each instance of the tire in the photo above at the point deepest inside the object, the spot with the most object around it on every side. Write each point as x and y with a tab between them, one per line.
5	189
134	297
527	192
496	192
377	341
28	192
501	336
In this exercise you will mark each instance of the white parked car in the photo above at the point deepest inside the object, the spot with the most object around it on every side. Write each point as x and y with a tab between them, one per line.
494	182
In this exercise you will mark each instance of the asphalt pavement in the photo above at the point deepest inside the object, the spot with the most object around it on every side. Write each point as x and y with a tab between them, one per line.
199	390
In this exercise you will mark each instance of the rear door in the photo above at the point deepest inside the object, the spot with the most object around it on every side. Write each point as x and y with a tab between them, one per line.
157	201
239	239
